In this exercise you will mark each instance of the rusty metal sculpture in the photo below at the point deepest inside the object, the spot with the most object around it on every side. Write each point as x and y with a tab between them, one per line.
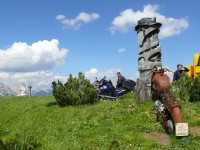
166	104
149	53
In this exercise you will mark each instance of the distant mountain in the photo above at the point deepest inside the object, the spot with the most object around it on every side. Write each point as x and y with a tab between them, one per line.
42	92
6	91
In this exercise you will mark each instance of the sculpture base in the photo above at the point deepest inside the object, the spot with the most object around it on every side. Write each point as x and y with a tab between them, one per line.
143	89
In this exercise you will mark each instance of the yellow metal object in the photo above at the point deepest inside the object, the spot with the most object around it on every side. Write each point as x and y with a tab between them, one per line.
191	71
196	61
195	69
196	64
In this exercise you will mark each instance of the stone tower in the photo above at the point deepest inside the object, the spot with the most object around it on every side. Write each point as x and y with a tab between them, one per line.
149	54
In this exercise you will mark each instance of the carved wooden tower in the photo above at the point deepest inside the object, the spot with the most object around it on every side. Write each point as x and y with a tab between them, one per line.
149	54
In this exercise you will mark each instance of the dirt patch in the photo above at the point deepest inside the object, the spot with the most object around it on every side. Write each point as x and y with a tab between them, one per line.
164	138
158	137
195	130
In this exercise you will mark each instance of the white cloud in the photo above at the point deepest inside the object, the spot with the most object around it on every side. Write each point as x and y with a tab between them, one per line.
60	17
129	18
121	50
44	83
38	80
42	55
4	75
31	75
91	72
63	79
82	18
22	82
94	72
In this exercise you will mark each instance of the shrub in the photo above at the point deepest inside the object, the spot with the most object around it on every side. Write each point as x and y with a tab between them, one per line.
76	91
195	90
181	88
187	88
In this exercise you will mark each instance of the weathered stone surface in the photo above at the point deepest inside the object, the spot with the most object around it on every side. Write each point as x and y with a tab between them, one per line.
149	54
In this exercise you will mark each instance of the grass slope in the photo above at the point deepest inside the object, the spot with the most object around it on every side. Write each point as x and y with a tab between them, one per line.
104	125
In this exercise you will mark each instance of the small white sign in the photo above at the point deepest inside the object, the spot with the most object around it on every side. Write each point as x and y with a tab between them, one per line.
181	129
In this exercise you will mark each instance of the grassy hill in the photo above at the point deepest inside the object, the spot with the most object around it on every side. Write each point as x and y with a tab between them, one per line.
121	124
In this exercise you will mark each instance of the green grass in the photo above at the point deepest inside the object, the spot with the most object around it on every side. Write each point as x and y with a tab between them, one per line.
105	125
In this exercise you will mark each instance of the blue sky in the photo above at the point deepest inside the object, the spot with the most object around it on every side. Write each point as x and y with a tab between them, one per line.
43	40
